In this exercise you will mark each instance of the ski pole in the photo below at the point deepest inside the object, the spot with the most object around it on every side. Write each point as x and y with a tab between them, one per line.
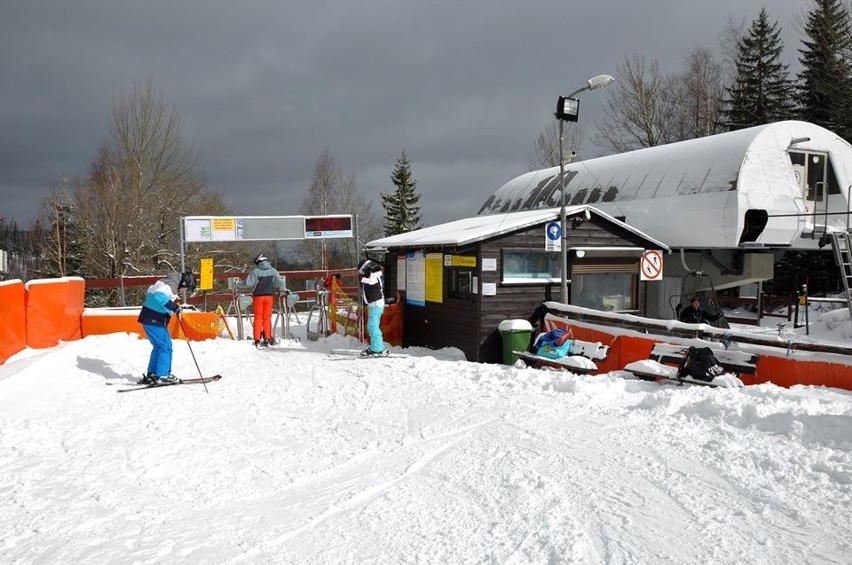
180	321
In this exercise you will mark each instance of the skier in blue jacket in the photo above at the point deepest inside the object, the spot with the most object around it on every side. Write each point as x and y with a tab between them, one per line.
160	303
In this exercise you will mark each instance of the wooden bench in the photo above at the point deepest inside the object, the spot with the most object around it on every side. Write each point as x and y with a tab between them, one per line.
581	358
739	362
665	359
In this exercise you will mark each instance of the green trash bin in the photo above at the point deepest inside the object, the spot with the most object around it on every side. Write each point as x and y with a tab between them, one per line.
516	337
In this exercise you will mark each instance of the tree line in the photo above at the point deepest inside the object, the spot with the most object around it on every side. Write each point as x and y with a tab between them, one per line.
123	218
749	86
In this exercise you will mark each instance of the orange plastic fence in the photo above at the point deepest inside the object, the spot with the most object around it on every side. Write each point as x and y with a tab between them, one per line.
53	309
778	369
13	321
102	321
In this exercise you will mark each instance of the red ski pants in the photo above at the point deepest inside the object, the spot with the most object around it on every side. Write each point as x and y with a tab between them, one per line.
262	317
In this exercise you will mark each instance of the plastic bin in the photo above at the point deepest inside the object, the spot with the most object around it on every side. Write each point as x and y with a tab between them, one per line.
516	337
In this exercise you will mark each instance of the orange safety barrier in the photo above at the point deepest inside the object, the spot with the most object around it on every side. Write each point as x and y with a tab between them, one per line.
50	305
75	297
102	321
782	369
391	324
13	321
99	321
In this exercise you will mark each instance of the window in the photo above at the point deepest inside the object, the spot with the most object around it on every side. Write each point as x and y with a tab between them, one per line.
460	284
529	266
608	291
605	285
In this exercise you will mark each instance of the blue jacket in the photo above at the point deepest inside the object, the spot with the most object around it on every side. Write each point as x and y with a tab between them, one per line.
160	302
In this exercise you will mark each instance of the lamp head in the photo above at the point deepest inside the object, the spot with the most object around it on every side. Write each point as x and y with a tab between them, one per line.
599	81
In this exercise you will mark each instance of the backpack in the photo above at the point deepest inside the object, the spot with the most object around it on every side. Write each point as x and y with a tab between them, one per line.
699	363
554	344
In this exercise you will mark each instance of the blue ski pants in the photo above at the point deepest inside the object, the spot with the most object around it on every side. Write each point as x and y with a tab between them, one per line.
160	362
374	329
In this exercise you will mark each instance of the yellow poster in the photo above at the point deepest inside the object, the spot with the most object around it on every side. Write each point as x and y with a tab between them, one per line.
434	277
464	261
206	275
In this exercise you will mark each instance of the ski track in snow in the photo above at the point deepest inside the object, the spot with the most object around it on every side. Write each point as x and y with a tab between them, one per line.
290	459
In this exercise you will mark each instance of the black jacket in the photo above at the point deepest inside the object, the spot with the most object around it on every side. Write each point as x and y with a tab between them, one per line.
692	315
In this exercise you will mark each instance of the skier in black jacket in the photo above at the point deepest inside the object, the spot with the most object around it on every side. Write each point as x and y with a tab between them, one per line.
695	314
373	296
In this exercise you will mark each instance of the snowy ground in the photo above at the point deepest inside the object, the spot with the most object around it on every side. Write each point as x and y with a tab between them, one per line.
297	456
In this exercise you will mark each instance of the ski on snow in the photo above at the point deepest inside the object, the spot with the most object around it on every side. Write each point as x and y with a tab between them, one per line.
359	354
194	381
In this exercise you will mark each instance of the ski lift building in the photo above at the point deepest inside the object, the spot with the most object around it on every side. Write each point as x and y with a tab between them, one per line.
728	202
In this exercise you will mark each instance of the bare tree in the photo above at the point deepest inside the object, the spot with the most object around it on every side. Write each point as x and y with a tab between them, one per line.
143	180
59	244
332	193
369	226
695	97
634	116
545	152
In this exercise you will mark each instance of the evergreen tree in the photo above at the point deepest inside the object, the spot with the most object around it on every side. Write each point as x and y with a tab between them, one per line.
762	92
825	81
402	208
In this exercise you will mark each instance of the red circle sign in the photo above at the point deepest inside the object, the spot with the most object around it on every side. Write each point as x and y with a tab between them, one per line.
652	265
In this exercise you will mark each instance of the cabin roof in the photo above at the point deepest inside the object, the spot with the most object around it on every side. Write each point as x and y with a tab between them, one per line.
479	228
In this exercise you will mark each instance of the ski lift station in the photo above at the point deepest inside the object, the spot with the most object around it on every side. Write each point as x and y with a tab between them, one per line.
727	206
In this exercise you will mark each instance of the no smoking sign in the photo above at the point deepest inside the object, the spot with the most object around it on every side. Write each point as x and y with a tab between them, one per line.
651	266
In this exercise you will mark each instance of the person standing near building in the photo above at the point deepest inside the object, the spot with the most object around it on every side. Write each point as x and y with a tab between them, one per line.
160	303
266	282
373	295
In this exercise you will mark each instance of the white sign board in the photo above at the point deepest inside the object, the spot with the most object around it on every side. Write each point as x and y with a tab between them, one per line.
651	266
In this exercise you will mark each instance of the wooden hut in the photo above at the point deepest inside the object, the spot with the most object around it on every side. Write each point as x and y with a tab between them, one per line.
459	280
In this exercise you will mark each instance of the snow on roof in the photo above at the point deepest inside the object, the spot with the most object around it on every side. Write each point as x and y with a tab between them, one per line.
479	228
721	176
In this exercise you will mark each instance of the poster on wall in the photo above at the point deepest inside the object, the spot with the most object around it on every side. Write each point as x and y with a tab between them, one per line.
415	278
435	277
400	272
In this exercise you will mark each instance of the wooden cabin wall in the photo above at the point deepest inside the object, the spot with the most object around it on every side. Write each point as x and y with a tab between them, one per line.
471	325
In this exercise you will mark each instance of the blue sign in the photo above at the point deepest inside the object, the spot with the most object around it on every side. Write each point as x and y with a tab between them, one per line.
553	236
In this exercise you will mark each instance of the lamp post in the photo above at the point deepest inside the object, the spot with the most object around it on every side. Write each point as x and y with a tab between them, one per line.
567	110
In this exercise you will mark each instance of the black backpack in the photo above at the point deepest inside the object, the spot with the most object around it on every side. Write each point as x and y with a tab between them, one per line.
699	363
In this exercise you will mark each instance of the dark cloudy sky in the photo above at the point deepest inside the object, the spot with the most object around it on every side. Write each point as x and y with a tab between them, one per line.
262	87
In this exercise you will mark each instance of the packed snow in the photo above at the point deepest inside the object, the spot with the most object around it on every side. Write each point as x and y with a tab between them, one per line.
301	456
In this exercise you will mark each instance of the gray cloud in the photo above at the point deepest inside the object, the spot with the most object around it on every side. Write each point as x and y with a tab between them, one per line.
263	87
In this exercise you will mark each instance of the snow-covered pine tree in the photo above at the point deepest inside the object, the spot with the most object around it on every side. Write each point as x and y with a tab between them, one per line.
402	206
825	81
762	91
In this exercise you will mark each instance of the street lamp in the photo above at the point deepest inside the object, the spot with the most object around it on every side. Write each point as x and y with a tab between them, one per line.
568	110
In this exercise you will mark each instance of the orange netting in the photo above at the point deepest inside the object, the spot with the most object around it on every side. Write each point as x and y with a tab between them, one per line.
198	326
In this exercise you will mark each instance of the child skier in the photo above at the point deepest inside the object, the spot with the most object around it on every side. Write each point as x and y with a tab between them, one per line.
160	303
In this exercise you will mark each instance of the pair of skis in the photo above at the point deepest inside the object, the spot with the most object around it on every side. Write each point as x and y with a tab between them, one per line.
359	354
195	381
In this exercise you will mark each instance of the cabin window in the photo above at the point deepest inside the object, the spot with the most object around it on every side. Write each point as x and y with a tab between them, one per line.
460	284
609	286
529	266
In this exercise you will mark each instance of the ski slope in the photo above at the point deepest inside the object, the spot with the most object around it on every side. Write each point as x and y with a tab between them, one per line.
298	456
